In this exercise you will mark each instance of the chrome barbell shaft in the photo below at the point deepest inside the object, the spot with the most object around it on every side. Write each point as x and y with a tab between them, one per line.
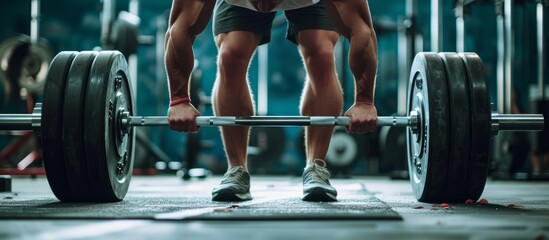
401	121
28	121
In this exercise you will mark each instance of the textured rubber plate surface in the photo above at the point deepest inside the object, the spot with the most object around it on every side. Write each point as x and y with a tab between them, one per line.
73	124
480	124
109	157
460	128
52	109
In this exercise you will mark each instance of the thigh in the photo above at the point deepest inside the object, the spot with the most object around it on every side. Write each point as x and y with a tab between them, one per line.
311	17
237	44
313	42
229	18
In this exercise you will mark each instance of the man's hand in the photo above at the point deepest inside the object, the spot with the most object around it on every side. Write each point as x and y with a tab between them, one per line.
363	118
182	118
265	5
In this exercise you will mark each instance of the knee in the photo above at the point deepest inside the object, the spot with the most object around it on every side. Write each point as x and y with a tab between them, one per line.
231	61
320	67
363	31
319	57
320	63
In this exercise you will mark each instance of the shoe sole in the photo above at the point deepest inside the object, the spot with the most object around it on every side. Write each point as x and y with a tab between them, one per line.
229	196
319	195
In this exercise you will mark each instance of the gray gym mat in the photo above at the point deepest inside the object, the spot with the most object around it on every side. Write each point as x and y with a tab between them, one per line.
271	202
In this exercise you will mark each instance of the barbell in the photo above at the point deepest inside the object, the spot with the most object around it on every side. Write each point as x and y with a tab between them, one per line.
86	121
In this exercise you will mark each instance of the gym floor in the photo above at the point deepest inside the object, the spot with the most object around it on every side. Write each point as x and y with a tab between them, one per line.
165	207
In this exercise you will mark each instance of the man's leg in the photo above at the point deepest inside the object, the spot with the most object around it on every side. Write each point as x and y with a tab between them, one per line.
322	94
313	31
231	97
231	93
238	32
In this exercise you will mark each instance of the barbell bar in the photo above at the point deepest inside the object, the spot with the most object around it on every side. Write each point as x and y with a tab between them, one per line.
499	122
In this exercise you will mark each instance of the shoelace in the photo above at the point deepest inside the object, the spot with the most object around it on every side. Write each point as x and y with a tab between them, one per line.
234	174
322	174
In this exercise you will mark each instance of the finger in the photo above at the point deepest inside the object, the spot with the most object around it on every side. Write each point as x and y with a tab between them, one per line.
181	128
373	121
174	127
175	124
187	127
193	128
353	128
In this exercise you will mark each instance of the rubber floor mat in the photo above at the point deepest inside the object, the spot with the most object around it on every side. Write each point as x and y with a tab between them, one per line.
271	202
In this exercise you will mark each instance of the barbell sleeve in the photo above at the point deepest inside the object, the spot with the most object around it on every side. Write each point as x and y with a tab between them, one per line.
517	122
22	121
16	121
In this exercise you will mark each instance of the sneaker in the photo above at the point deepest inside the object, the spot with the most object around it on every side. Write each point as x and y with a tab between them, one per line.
316	186
235	186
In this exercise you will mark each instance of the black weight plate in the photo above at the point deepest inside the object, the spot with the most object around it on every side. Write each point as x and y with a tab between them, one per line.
392	144
15	58
35	67
340	157
4	91
428	150
109	153
51	125
125	37
73	124
25	64
480	124
542	107
343	152
460	128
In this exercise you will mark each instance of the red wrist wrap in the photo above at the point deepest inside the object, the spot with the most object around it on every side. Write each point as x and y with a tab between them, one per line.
176	101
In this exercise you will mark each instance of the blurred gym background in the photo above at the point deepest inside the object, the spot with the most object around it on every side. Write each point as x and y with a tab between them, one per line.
510	36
